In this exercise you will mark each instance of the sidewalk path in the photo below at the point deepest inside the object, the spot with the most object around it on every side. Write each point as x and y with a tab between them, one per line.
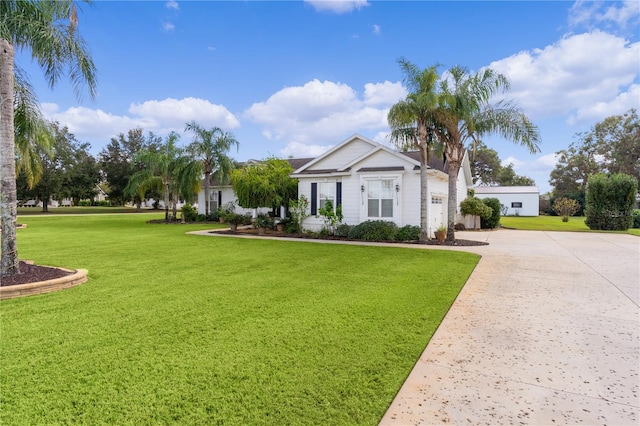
546	331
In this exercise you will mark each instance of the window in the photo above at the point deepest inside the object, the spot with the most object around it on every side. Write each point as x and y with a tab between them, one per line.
214	196
326	191
380	198
436	200
516	205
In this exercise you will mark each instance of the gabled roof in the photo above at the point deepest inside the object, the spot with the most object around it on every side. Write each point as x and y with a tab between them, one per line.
375	147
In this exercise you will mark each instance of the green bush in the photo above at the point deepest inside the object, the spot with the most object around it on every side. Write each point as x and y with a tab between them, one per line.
189	213
636	219
84	203
493	220
579	196
342	230
610	201
374	230
264	221
408	233
104	203
566	207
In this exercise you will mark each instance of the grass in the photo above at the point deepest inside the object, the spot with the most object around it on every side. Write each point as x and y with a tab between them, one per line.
37	211
183	329
552	223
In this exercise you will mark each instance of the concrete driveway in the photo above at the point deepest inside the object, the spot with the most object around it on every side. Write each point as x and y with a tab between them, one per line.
546	331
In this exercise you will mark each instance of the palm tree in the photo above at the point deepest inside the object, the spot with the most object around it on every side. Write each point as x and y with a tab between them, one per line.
169	170
210	147
47	29
413	126
33	134
466	113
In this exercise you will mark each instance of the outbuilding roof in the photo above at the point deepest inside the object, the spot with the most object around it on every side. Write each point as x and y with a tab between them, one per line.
507	190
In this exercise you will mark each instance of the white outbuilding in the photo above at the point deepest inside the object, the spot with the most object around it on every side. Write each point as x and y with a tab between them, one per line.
515	200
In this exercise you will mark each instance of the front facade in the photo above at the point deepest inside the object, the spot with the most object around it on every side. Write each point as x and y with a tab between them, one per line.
516	200
373	182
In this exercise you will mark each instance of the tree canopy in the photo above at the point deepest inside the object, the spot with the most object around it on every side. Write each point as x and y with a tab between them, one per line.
487	169
265	184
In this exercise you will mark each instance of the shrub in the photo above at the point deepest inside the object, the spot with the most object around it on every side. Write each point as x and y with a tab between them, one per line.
493	220
330	217
636	219
342	230
408	233
374	230
264	221
189	213
298	209
475	207
565	207
84	203
459	227
579	196
610	201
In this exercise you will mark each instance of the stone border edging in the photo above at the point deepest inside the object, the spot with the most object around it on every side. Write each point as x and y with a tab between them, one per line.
20	290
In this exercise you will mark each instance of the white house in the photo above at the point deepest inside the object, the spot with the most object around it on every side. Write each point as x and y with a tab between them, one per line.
374	182
517	200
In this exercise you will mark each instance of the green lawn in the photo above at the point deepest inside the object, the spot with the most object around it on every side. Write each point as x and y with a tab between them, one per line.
183	329
37	211
551	223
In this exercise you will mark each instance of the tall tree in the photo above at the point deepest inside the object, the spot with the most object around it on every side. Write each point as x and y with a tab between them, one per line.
265	184
168	169
210	147
466	113
487	169
413	125
117	161
47	28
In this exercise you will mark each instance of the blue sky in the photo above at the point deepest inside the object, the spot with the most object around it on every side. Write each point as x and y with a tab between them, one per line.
293	78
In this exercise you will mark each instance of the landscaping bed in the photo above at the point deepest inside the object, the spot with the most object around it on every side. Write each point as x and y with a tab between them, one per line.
316	236
34	273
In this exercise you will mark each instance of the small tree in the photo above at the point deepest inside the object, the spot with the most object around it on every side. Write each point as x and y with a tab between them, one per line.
299	209
475	207
266	184
610	201
566	207
330	217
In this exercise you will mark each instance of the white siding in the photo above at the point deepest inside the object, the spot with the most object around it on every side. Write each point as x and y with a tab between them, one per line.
530	203
344	155
227	195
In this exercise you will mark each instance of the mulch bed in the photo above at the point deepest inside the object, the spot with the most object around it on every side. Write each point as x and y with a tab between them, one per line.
270	233
32	274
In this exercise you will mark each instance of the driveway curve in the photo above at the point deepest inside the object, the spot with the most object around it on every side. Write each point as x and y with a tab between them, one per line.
546	331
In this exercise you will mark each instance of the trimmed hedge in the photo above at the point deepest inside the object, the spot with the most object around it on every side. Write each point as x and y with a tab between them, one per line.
493	220
374	230
408	233
610	201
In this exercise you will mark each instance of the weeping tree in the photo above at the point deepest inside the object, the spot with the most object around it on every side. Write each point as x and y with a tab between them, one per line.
47	29
265	184
414	126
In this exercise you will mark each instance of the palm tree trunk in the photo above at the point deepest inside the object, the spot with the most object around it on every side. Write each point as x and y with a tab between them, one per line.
424	195
452	203
8	200
166	202
206	194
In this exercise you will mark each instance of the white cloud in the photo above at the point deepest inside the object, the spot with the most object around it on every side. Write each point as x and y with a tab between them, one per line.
616	106
160	117
211	48
337	6
619	14
174	113
319	113
168	26
513	161
172	4
571	75
301	150
386	93
376	29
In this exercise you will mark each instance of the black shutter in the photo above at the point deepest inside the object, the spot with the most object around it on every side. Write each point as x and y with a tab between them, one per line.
338	194
219	199
314	199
